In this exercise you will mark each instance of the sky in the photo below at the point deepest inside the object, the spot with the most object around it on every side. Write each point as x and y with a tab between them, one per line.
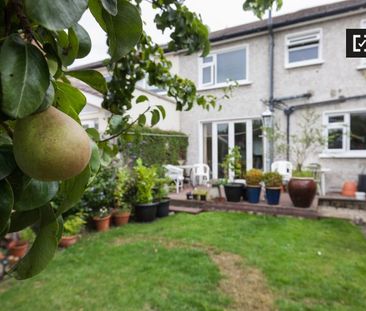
216	14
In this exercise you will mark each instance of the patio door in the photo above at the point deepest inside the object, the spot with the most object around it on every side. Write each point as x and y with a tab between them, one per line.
220	137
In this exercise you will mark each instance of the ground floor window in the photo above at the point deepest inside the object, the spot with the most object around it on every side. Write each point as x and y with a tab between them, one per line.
346	131
221	136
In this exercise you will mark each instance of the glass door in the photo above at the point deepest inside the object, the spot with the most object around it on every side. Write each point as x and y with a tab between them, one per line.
220	137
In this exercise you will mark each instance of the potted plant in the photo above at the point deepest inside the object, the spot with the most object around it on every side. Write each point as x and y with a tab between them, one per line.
302	188
72	227
232	163
145	179
102	219
273	183
161	192
253	180
21	245
200	194
308	140
122	198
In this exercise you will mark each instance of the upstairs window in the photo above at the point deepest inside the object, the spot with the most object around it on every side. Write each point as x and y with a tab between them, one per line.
303	48
224	66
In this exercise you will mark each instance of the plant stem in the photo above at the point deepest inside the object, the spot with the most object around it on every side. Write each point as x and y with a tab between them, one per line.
7	128
126	129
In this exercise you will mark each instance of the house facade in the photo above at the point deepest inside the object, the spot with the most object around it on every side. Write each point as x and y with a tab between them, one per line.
310	71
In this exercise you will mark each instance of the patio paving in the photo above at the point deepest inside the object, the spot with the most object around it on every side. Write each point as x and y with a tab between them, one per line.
355	210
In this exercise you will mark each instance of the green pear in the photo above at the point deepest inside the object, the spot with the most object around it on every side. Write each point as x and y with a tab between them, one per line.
51	146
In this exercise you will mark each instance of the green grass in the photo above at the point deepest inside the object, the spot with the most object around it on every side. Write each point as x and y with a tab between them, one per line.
308	265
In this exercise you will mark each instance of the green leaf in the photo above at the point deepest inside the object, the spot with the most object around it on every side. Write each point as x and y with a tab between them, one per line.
48	99
110	6
91	77
141	99
6	203
85	43
162	111
72	190
69	100
142	120
22	220
55	15
116	124
24	77
7	161
43	248
34	194
69	53
124	30
95	159
93	133
155	118
96	9
107	153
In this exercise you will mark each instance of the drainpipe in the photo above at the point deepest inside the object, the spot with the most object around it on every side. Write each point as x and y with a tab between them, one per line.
288	112
271	82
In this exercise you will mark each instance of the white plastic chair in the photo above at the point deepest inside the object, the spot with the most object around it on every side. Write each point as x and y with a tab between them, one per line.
284	168
200	174
176	174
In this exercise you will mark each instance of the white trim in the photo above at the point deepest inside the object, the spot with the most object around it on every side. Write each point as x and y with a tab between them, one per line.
249	147
318	33
214	151
213	84
345	152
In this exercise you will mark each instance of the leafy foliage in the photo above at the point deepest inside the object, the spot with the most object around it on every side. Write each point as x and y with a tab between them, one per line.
154	146
232	162
74	224
254	177
124	184
272	179
260	6
145	182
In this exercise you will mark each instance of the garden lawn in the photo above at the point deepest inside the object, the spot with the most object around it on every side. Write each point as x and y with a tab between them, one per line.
212	261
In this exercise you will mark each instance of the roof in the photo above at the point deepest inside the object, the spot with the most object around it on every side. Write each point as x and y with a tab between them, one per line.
297	17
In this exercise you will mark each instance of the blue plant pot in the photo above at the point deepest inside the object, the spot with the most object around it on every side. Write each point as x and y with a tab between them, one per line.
273	195
253	194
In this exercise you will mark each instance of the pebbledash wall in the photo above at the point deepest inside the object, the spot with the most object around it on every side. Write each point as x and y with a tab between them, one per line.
330	78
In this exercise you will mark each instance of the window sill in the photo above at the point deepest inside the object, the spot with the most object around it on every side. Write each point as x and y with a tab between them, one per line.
223	85
304	64
361	67
343	155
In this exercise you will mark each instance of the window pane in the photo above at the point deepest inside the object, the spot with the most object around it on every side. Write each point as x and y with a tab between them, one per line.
206	75
336	119
335	138
257	144
222	146
231	66
241	142
358	131
306	53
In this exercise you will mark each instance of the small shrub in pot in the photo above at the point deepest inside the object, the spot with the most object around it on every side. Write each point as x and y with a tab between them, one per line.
273	183
253	179
72	227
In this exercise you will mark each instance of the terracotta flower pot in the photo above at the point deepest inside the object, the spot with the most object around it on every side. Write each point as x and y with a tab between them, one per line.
67	241
302	191
19	249
349	188
121	218
102	224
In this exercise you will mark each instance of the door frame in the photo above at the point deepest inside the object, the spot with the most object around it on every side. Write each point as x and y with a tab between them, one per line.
231	141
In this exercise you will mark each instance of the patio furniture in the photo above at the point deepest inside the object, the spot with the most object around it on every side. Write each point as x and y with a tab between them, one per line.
176	174
200	174
284	168
319	176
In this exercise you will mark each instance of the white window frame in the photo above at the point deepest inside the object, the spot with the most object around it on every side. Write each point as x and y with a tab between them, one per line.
346	151
293	36
213	65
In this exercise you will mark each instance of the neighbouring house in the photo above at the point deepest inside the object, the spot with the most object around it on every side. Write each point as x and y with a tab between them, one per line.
310	70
